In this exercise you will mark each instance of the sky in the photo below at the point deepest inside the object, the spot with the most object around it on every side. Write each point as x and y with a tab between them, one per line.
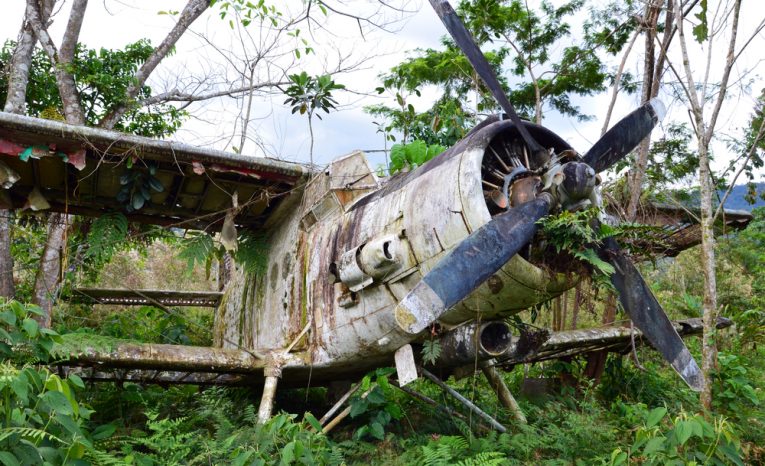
275	132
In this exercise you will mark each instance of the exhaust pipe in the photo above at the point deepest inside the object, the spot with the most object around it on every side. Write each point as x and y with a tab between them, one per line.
474	342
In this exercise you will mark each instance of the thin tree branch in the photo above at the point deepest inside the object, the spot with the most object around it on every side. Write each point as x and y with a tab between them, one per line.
192	11
749	155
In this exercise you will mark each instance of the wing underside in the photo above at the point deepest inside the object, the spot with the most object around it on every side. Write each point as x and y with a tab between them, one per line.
82	170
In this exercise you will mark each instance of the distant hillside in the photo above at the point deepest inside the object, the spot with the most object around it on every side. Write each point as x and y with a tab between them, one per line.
737	200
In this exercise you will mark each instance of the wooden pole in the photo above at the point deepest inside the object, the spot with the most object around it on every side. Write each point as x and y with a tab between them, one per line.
339	403
343	414
273	372
469	404
503	393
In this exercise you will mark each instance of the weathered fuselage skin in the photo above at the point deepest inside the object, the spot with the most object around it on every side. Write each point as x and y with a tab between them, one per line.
323	289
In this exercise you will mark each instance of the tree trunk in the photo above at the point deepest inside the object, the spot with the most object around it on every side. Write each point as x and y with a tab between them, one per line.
704	130
48	278
7	288
709	306
18	78
49	274
650	20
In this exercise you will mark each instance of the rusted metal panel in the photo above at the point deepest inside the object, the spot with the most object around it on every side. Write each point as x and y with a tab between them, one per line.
127	297
91	187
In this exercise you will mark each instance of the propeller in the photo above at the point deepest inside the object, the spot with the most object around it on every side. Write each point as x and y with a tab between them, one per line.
647	314
624	135
470	263
487	249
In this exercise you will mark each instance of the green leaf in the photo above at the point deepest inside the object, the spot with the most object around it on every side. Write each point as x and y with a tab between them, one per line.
312	421
20	386
30	327
9	317
683	431
701	30
8	459
103	431
288	453
376	430
58	402
655	444
76	380
655	416
376	397
358	407
137	201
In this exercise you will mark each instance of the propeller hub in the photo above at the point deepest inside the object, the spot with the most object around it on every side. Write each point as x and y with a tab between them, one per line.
578	181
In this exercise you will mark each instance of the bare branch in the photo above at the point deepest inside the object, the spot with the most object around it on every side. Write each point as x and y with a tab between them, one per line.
67	88
192	11
729	61
752	150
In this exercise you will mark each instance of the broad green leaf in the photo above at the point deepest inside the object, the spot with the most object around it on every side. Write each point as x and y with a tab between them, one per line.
653	445
313	421
655	416
683	432
30	326
288	453
58	402
8	459
103	431
376	430
76	380
358	407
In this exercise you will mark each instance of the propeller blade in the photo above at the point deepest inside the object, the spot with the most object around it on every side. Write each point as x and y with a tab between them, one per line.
647	314
465	41
624	136
469	264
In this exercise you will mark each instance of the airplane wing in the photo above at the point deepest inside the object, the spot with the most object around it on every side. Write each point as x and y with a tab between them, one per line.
104	359
678	227
81	170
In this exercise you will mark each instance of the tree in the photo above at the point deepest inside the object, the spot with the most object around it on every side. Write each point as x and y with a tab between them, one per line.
102	76
307	94
705	100
18	78
62	58
530	44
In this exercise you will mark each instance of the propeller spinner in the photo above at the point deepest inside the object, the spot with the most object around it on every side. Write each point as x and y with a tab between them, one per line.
485	250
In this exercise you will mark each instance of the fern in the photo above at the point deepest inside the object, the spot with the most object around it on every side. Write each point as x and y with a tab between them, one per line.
484	458
108	234
197	248
29	432
103	459
252	253
431	350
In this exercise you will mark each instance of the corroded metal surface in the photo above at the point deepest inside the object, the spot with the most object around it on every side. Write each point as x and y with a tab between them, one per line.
197	183
321	271
125	297
474	341
160	357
